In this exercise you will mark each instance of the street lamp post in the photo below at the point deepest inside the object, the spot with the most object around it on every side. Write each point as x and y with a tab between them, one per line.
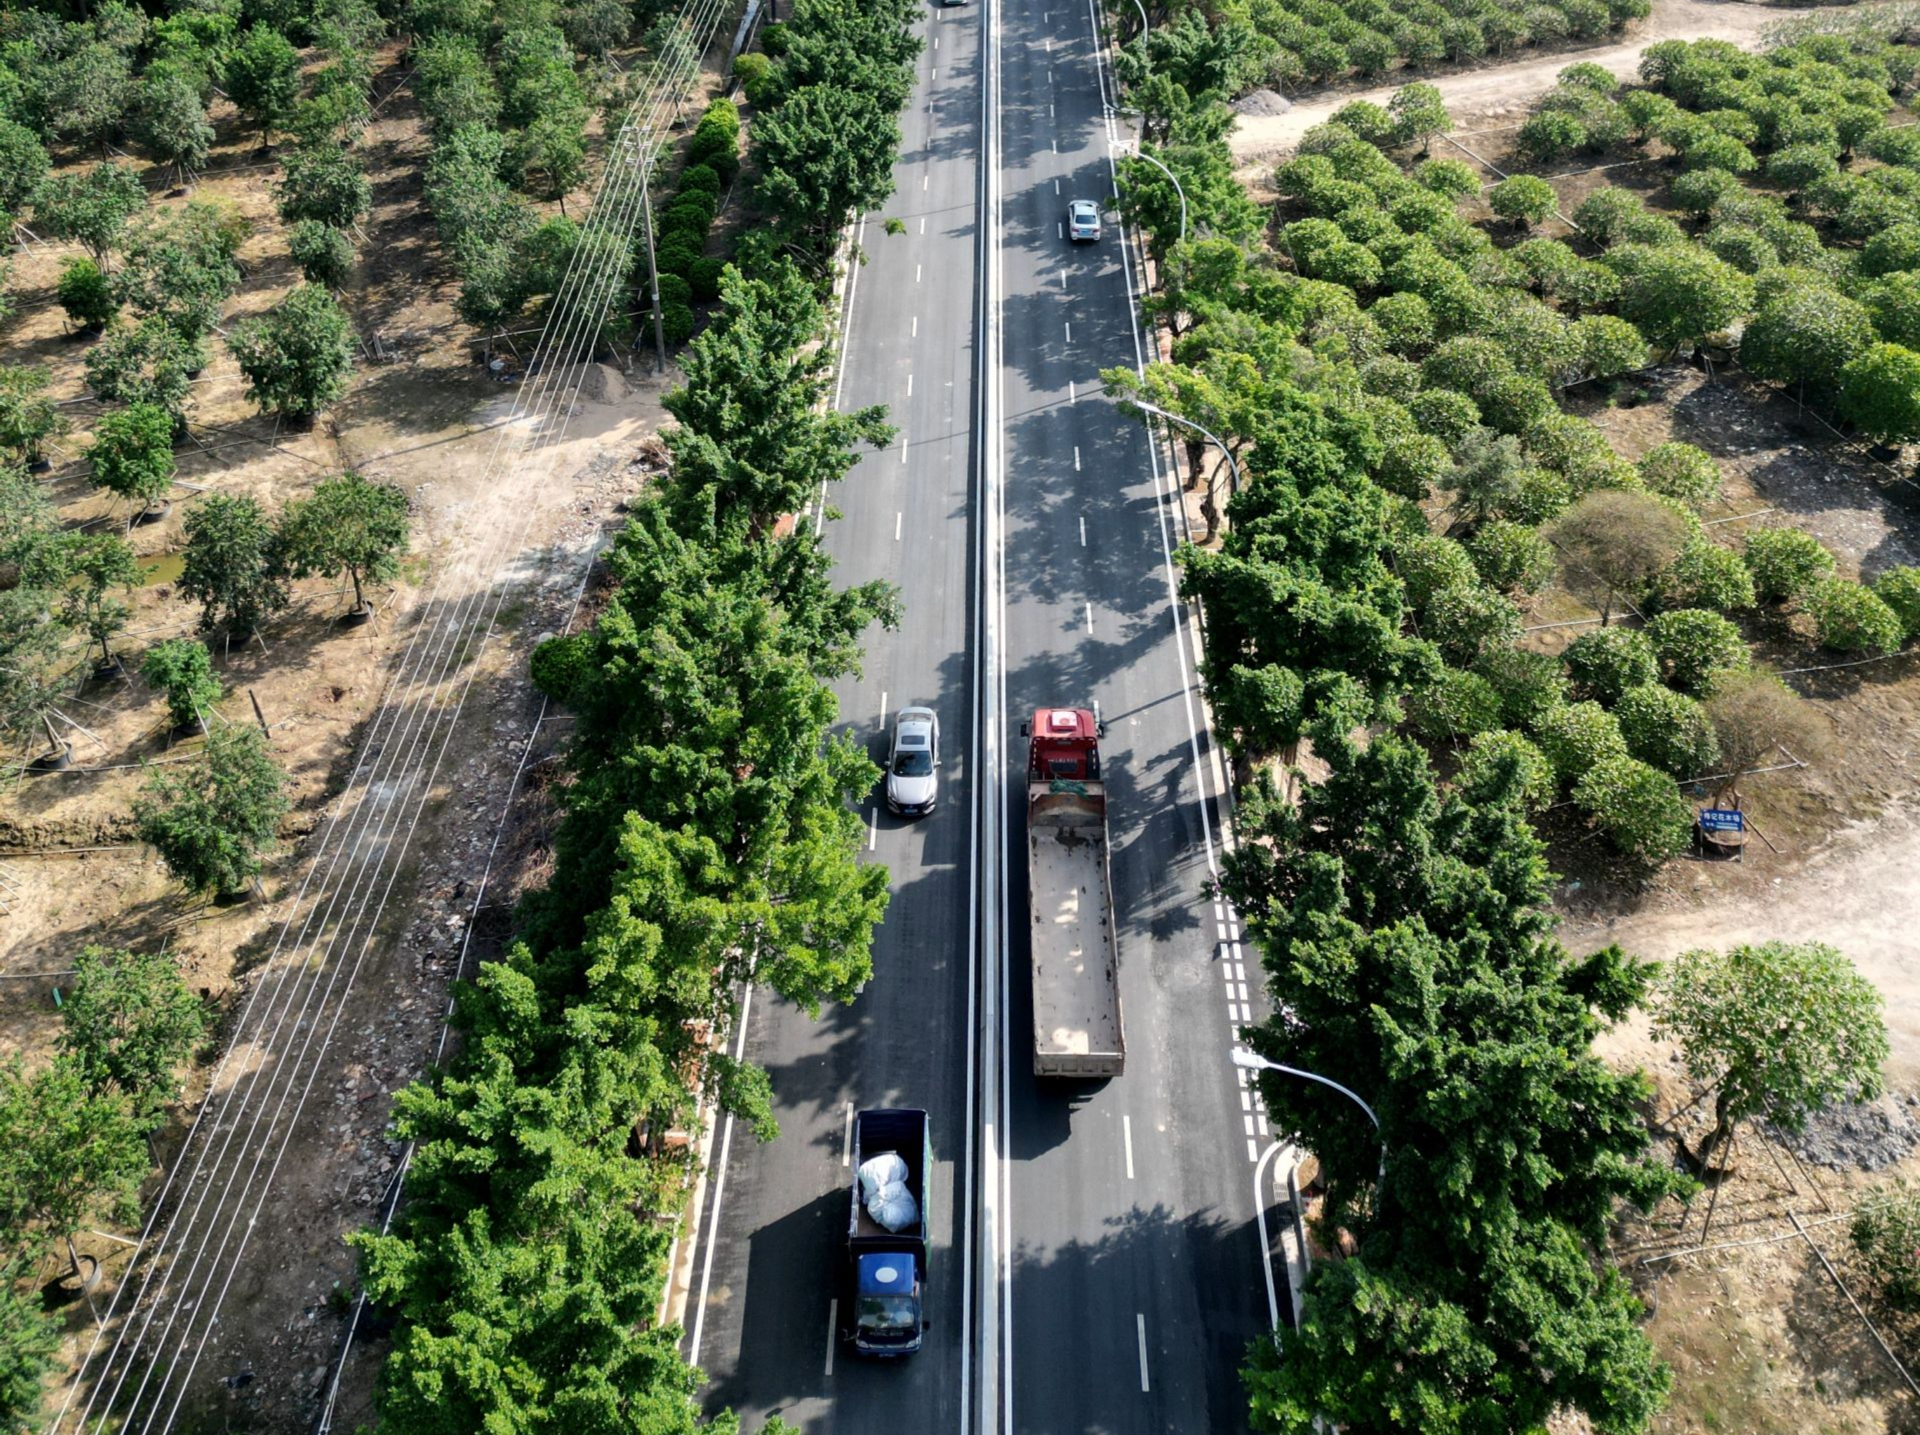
1205	433
1253	1061
1139	153
1144	27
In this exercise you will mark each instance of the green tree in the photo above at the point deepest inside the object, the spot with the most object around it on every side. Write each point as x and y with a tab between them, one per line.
1525	199
1880	392
1785	562
148	363
178	269
1696	648
23	166
29	1336
1678	294
1850	618
170	120
91	207
73	1154
101	563
132	453
1667	730
324	254
210	822
347	527
86	295
1729	1011
262	77
825	154
1637	806
233	567
1612	544
1418	115
1681	471
1806	336
1705	575
130	1024
1899	589
28	418
1885	1234
1607	663
324	183
1505	764
297	357
182	669
1488	472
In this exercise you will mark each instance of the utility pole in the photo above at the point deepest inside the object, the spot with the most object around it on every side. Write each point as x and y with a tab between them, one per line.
634	148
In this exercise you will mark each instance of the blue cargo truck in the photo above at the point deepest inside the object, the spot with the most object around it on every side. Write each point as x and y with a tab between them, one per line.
887	1269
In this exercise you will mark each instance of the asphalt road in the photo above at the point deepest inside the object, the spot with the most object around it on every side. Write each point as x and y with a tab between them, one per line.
1133	1266
1135	1273
905	516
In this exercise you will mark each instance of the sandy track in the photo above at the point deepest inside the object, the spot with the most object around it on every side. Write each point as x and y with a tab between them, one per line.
1499	89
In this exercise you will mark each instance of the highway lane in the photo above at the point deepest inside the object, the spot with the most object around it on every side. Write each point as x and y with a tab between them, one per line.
1135	1280
903	515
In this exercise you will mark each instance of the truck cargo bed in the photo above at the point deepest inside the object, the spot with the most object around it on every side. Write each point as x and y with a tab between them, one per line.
1076	993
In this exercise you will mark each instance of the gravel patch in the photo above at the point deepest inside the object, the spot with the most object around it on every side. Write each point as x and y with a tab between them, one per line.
1262	103
1868	1136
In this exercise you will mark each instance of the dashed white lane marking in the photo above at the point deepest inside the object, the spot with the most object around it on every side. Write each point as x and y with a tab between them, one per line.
1056	186
1126	1132
916	273
1059	229
873	827
909	385
903	443
1253	1152
833	1330
1083	530
1076	458
925	180
896	526
1072	397
1246	1099
914	332
846	1145
1069	331
1089	617
1140	1323
923	218
883	708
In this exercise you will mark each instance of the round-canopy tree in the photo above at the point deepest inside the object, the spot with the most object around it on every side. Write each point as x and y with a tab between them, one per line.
233	565
182	669
210	822
132	453
1526	199
1880	392
1754	717
1612	543
102	564
146	363
348	526
91	209
1776	1031
297	357
130	1024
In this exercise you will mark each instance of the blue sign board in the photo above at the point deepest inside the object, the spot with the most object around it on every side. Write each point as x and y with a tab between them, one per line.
1722	819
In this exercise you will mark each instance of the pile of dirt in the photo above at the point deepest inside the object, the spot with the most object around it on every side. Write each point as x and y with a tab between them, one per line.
1262	103
1868	1136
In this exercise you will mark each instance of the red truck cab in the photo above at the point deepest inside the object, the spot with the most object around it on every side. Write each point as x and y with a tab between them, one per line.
1063	744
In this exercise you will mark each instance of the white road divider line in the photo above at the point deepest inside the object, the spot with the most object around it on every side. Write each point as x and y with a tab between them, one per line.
1126	1134
1083	530
883	708
873	827
1089	617
833	1330
1140	1324
1076	458
898	519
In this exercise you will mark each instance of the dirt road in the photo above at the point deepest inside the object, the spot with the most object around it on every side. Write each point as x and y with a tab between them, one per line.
1498	90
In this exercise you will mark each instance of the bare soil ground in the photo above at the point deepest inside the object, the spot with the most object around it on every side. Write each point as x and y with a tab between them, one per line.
1500	89
423	414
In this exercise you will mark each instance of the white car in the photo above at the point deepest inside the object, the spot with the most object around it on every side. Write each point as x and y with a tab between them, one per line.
1083	220
913	755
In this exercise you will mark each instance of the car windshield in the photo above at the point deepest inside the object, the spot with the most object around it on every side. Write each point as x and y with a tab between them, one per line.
912	762
886	1313
1083	212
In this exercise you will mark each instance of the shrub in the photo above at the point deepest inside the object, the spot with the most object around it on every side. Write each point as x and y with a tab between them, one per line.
1785	562
1667	730
1705	575
85	293
1606	663
1695	647
1699	190
1447	414
1806	336
1850	618
1800	166
1550	135
677	322
1607	346
1411	464
1575	736
1637	807
677	254
1405	321
1899	589
755	73
1524	198
1457	705
1499	762
1464	619
1449	178
1427	563
1366	121
716	140
1539	497
1886	1236
1529	684
1682	293
182	669
703	277
1893	250
1603	214
1511	556
1880	392
1681	471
